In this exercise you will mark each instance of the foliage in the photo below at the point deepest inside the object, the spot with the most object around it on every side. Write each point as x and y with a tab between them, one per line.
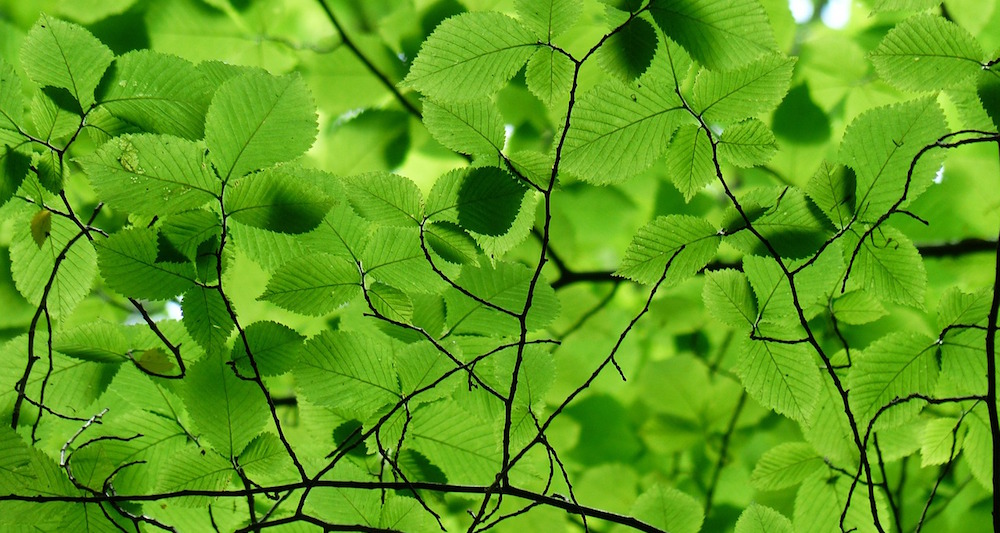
661	265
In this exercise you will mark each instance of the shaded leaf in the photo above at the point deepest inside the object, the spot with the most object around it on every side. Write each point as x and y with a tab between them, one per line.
721	34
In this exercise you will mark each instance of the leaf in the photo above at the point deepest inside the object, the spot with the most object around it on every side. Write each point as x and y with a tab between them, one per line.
669	509
785	465
473	127
728	297
266	459
391	302
151	174
314	284
50	118
927	53
940	441
889	266
760	519
721	34
193	471
227	411
99	341
483	200
14	166
33	267
11	106
128	265
457	442
91	11
61	54
155	360
275	349
548	18
746	92
207	319
683	242
620	130
256	120
277	199
789	221
627	53
978	446
898	364
448	241
185	232
394	257
549	75
799	120
504	285
159	93
832	189
782	377
470	56
821	500
988	90
747	144
882	6
880	144
350	373
857	307
690	162
386	198
41	226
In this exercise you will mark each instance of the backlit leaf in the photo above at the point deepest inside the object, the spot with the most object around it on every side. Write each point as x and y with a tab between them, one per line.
474	127
683	242
721	34
898	364
315	284
780	376
745	92
65	55
927	53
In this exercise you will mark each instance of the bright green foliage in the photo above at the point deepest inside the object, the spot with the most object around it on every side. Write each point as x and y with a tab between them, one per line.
378	265
926	53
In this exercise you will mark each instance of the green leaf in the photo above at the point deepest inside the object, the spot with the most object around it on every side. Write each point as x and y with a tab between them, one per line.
504	285
350	373
882	6
275	349
548	18
988	90
14	167
32	266
128	265
669	509
684	242
788	220
256	120
978	446
61	54
91	11
799	120
628	53
99	341
785	465
457	442
470	56
393	256
473	127
207	318
448	241
185	232
746	92
747	144
151	174
419	366
832	189
940	441
898	364
159	93
11	106
227	411
822	499
391	302
41	226
721	34
314	284
858	307
266	460
782	377
927	53
760	519
483	200
880	144
728	297
889	266
195	471
549	75
620	130
277	199
385	198
49	118
690	162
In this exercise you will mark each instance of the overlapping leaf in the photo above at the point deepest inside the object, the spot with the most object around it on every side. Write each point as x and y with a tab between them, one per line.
897	365
64	55
548	18
128	265
385	198
889	266
747	144
313	285
721	34
277	199
745	92
474	127
506	286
